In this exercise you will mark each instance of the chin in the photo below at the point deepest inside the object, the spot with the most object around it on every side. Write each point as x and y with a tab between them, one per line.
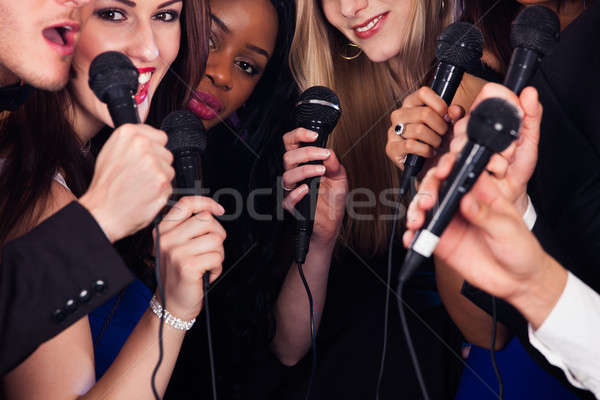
51	82
381	55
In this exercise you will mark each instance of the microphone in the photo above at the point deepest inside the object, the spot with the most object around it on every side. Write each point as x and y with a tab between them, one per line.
534	33
317	110
187	141
493	126
114	81
458	49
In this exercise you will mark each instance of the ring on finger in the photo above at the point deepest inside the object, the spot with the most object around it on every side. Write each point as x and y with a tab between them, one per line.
399	130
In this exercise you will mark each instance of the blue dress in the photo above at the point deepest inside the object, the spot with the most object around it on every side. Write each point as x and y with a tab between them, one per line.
132	304
522	377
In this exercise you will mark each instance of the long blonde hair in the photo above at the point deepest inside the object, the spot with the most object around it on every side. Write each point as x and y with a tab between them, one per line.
368	93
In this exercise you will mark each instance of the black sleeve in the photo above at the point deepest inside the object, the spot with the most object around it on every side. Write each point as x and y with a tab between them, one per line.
52	277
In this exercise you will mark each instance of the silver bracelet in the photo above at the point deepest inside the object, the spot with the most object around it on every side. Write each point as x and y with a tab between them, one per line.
170	319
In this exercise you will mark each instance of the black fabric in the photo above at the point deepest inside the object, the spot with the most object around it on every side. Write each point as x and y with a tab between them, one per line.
13	96
350	337
565	187
66	257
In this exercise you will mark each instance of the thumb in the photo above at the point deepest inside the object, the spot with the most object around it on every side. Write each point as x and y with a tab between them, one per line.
525	156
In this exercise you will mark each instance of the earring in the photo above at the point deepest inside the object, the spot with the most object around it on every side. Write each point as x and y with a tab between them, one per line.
352	57
443	7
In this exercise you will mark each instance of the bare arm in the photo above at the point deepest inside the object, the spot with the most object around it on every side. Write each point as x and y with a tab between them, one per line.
292	312
63	367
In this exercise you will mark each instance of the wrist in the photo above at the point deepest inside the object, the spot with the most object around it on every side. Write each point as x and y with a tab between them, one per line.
175	319
522	203
102	220
322	245
541	292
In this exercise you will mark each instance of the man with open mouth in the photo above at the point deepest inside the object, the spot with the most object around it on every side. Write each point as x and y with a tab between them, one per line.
70	255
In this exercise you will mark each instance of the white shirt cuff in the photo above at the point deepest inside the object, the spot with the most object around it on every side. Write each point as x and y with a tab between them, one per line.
530	215
568	338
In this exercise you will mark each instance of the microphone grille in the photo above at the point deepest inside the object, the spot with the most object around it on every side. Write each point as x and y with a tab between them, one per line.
460	44
318	102
494	123
185	131
109	70
536	28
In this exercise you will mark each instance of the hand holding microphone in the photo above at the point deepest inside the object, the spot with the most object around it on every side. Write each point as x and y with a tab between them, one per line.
322	202
133	173
419	125
191	239
465	246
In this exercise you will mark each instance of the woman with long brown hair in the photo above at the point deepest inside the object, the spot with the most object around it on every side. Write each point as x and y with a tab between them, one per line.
46	164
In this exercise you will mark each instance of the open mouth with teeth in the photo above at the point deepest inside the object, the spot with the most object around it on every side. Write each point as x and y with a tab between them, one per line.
62	37
143	84
370	27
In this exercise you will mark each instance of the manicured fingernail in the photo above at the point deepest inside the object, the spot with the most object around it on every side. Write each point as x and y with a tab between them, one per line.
326	153
314	135
447	118
303	189
322	169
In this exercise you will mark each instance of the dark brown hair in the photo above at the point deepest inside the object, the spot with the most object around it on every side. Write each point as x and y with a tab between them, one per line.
494	19
38	139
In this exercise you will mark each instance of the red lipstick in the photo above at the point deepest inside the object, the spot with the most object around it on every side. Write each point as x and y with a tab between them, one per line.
143	83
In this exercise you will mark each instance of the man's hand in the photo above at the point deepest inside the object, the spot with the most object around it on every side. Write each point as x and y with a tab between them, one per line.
132	180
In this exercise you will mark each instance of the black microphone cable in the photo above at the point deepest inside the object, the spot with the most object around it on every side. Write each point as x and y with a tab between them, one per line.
313	330
387	294
406	331
211	358
163	300
493	350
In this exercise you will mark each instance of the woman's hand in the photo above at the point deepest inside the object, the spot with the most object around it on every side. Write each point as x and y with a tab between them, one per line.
333	189
419	126
191	244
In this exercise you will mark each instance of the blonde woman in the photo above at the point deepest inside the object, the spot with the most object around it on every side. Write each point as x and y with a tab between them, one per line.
375	54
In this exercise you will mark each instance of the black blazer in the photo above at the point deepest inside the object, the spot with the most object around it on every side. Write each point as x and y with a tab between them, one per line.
52	277
565	187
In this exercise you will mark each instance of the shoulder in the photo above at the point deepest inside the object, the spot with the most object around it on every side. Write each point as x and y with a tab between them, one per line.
469	88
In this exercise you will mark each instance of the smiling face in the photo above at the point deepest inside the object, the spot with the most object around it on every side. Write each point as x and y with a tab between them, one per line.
37	41
243	37
378	27
147	31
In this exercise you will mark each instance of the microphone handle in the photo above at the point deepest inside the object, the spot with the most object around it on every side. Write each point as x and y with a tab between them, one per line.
188	173
523	64
122	107
306	209
445	82
307	206
470	164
